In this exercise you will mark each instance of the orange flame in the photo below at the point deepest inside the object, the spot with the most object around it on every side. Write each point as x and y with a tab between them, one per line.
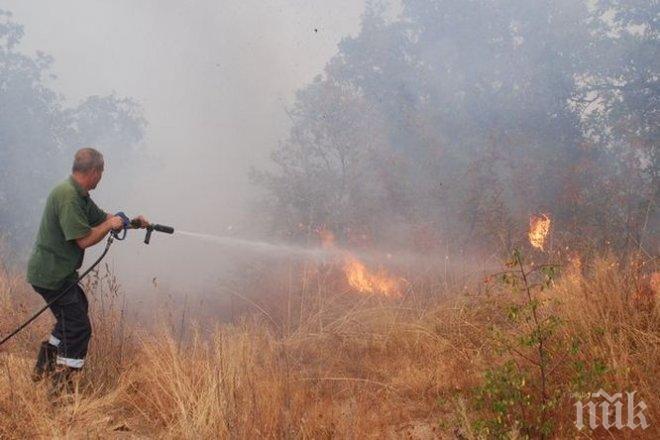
539	227
365	281
358	276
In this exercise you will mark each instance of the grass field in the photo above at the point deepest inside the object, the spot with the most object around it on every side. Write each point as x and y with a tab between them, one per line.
436	363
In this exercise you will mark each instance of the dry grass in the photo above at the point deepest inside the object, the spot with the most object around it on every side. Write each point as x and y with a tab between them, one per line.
343	366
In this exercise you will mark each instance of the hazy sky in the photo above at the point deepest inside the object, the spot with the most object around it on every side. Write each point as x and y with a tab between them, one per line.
214	78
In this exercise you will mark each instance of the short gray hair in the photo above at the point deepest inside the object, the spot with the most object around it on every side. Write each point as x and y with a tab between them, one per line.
87	159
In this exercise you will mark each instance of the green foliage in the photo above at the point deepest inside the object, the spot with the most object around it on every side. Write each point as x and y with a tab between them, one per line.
587	376
541	369
504	394
518	395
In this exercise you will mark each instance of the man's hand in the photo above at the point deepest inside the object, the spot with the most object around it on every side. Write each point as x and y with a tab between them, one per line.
115	222
143	222
98	232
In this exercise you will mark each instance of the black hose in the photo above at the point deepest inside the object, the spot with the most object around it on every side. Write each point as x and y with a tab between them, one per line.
43	309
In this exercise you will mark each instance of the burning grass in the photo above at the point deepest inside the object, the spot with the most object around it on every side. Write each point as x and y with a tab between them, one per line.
346	366
539	227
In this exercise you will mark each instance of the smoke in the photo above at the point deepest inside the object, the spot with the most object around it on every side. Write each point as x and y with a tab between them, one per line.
423	126
214	80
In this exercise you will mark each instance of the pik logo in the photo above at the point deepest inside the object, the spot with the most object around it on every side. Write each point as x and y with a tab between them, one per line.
607	411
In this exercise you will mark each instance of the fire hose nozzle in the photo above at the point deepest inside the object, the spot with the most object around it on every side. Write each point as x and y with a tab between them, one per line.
136	224
157	228
163	228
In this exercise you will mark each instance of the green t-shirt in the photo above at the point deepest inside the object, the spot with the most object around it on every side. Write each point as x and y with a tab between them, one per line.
69	214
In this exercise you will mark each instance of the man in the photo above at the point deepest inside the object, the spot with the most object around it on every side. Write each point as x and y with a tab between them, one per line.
71	223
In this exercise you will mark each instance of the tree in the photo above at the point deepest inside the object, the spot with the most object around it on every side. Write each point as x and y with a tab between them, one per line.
38	133
619	102
474	115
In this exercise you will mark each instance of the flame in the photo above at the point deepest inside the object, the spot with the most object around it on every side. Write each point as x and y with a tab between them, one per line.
365	281
358	276
539	226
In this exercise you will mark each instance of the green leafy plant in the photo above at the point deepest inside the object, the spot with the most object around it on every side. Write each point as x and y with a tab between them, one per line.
518	394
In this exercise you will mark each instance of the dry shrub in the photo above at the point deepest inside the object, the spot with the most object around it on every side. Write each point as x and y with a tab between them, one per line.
603	311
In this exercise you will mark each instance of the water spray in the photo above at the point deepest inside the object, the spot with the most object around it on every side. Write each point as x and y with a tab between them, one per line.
260	246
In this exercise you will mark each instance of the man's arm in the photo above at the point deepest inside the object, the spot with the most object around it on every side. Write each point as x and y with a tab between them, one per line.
98	232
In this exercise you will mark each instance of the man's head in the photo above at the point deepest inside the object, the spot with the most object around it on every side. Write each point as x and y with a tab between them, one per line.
88	167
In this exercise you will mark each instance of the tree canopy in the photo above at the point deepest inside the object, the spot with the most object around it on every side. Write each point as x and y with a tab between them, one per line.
450	125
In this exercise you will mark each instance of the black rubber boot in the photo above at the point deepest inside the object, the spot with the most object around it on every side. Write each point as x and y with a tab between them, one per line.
62	381
45	361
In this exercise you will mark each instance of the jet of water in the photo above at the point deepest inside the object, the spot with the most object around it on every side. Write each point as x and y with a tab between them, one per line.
263	246
321	254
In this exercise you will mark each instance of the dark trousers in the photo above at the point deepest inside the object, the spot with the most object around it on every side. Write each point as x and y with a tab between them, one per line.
72	330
